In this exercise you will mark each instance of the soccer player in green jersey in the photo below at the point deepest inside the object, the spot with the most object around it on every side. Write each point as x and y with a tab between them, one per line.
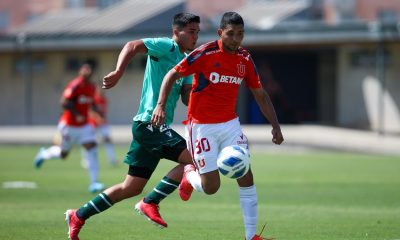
151	141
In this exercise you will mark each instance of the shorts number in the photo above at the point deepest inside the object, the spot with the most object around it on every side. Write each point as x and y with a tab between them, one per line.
202	146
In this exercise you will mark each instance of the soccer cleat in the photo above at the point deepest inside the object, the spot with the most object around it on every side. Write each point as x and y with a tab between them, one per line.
74	224
96	187
150	211
38	161
185	189
258	237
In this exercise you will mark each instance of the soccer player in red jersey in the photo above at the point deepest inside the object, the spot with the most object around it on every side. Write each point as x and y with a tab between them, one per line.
219	67
74	128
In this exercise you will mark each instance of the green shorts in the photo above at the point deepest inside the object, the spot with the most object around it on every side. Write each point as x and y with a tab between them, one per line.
149	145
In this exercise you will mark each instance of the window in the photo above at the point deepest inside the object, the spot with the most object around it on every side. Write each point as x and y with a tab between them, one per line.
4	20
367	58
37	65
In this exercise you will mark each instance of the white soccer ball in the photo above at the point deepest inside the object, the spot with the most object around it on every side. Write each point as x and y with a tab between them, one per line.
233	161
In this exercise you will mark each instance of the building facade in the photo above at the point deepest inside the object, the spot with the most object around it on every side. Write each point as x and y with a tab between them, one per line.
321	62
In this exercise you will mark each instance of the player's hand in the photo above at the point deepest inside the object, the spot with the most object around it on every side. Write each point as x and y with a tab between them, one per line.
277	136
79	118
111	79
158	117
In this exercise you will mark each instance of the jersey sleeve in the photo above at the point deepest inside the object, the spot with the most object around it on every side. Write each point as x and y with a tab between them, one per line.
69	92
158	47
252	78
190	64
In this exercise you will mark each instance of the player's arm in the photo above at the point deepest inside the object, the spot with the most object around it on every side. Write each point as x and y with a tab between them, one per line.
185	93
267	108
158	117
95	108
127	53
97	116
68	104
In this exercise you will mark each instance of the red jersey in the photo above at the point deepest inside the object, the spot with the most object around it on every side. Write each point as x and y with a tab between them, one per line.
101	102
216	81
81	93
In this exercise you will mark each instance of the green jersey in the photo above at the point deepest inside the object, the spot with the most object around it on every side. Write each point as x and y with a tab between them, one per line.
163	55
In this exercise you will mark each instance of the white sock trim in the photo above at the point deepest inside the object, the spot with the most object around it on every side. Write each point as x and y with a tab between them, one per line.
195	180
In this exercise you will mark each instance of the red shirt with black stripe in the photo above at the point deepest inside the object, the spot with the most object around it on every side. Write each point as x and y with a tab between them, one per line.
217	77
81	93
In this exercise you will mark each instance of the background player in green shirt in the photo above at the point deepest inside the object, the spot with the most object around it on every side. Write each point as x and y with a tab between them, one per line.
151	142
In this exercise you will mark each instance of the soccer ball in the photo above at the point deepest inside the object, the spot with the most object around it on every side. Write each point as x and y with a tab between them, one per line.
233	162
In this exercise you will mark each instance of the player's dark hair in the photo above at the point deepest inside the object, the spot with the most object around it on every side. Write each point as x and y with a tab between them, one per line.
91	62
183	19
231	18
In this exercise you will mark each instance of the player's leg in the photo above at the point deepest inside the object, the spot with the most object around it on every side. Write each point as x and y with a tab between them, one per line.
174	148
203	145
131	186
149	205
108	144
141	166
168	184
168	144
60	149
247	189
248	203
90	153
84	161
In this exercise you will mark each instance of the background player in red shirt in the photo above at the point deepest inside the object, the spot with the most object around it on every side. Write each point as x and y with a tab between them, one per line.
74	128
219	67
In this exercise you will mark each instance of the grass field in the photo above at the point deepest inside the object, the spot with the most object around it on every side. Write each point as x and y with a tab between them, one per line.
301	196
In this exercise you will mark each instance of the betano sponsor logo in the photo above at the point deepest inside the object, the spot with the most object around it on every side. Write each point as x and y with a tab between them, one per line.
216	78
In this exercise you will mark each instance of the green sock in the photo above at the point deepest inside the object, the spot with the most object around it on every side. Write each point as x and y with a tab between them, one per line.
97	205
164	188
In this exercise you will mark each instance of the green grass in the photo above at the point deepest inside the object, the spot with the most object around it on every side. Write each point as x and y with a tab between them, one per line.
301	196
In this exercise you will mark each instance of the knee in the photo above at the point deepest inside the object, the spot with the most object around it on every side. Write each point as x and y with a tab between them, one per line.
210	190
90	145
247	180
210	182
64	155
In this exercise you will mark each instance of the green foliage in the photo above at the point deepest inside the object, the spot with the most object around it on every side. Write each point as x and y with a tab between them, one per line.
315	195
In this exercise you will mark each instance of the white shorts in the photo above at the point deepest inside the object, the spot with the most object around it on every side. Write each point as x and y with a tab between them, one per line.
205	141
75	135
104	130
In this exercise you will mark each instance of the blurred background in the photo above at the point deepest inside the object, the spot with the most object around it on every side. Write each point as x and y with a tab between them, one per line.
324	62
331	67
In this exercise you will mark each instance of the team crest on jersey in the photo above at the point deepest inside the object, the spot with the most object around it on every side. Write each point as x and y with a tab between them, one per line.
169	134
241	69
149	127
179	81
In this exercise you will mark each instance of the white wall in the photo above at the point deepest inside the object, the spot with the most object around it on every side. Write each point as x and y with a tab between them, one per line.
359	87
47	88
